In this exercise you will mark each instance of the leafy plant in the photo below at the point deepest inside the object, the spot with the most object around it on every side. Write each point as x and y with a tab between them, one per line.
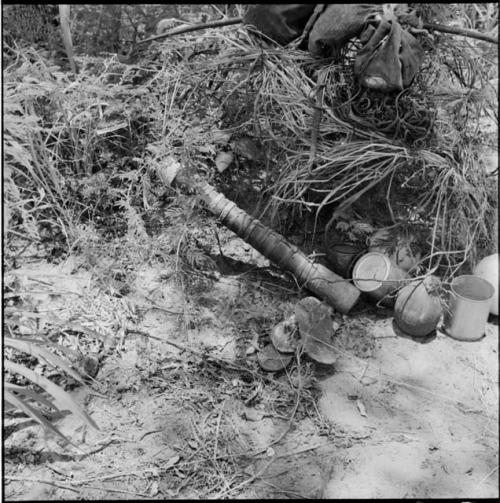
49	403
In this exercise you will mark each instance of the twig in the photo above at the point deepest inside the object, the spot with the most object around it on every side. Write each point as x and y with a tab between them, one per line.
484	479
99	449
183	484
217	433
110	476
195	27
41	481
24	236
69	488
144	435
286	491
58	472
298	451
144	334
363	373
316	120
387	197
51	292
156	306
246	482
460	31
118	491
474	376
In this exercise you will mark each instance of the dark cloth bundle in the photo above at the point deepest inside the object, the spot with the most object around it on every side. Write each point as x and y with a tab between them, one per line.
280	22
337	25
388	60
390	57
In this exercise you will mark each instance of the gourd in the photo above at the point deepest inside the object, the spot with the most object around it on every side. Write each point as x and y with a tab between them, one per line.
418	307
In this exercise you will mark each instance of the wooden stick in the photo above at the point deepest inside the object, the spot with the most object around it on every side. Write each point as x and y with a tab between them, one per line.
121	491
316	120
195	27
64	15
300	450
41	481
460	31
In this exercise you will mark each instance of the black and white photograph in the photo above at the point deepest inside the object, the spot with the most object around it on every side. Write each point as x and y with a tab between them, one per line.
250	251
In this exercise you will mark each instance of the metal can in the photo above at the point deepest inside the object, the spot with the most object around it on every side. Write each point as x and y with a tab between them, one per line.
375	274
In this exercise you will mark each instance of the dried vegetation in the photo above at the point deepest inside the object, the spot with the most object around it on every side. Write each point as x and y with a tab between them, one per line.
79	180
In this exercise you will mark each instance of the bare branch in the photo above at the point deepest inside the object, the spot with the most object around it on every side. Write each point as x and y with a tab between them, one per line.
195	27
460	31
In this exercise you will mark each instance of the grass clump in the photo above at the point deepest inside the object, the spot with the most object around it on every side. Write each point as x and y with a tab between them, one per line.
384	160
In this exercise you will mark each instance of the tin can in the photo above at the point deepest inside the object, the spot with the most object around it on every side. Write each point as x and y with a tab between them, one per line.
468	308
375	274
341	256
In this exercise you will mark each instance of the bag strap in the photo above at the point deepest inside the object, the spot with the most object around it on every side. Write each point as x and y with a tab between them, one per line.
318	10
375	38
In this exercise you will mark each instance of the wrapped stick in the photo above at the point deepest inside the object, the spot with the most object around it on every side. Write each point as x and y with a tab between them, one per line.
332	288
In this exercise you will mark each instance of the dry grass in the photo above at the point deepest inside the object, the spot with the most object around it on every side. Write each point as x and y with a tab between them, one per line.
413	157
81	155
330	150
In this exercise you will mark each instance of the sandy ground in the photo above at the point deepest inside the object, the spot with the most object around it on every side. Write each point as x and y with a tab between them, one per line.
401	420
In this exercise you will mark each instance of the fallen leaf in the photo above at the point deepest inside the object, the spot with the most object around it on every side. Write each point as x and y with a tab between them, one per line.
285	335
179	474
361	408
171	168
111	128
171	462
154	490
253	415
250	350
220	137
256	392
223	160
271	359
316	330
248	148
206	149
249	470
